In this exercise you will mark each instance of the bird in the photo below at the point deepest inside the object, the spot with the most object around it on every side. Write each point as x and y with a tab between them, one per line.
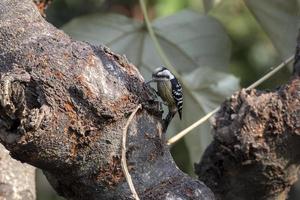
170	91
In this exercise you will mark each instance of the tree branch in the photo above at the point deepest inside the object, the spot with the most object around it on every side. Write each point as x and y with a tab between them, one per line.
63	108
255	152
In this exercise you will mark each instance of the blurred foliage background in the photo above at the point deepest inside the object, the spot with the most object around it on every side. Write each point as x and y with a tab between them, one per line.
216	46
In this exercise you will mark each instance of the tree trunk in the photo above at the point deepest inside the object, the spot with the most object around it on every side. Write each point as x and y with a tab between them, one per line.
64	105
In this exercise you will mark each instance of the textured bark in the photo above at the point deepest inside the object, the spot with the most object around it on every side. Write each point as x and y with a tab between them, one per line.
256	149
17	180
63	106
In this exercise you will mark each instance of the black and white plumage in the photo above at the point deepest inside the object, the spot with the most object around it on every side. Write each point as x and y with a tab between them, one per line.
170	90
177	95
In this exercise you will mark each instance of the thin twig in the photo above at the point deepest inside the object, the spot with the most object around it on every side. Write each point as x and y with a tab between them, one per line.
159	50
184	132
271	73
123	159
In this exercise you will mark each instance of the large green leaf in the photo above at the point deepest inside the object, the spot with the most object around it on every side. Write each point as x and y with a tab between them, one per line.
200	38
196	45
189	39
279	18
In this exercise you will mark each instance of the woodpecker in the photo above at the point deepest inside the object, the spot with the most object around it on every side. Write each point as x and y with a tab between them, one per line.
170	91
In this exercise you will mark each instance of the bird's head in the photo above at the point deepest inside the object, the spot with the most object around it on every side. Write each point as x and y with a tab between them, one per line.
162	74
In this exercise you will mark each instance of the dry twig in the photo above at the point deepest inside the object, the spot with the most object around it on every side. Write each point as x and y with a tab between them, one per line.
123	160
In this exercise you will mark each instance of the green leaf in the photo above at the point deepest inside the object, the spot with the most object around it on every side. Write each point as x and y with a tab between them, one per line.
188	38
279	18
101	29
210	4
201	38
196	45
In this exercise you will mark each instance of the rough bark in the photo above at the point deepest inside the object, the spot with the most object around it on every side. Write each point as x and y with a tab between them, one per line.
256	149
63	106
17	180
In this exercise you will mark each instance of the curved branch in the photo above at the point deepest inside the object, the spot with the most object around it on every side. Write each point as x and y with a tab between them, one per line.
63	106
